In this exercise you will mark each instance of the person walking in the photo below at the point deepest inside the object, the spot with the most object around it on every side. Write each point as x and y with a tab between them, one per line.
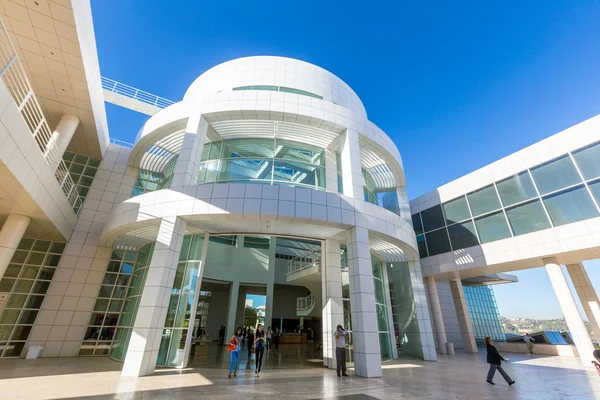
234	350
340	350
269	335
495	360
310	337
250	342
259	346
276	336
528	339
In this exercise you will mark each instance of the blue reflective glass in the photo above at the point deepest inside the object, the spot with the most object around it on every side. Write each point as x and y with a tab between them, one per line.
555	175
595	188
417	226
570	206
516	189
437	242
492	227
456	210
483	200
433	218
299	173
526	218
588	161
245	169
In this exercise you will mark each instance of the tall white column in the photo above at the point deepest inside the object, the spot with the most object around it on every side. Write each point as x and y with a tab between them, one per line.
436	312
464	319
234	293
333	304
331	183
587	296
193	311
365	336
10	235
351	167
188	161
144	344
388	300
581	338
270	283
62	135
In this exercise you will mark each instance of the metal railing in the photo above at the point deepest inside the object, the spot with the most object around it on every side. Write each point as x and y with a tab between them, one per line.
305	303
135	94
122	143
304	261
14	77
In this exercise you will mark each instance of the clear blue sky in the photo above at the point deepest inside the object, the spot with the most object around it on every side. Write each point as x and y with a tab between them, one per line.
457	84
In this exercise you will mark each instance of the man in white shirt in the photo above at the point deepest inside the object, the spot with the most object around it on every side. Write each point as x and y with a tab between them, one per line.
528	339
340	349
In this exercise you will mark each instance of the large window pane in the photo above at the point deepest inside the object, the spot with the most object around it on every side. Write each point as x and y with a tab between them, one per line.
299	173
492	227
245	170
588	161
251	148
517	188
422	246
300	152
437	242
463	235
595	188
555	175
570	206
417	226
484	200
433	218
527	218
456	210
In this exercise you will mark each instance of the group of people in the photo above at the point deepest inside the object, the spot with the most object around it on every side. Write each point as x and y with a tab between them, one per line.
258	341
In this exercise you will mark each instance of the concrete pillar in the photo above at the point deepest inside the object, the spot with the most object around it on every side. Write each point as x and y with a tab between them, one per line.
301	323
388	300
365	336
581	338
234	293
333	305
436	312
144	344
10	236
269	305
351	167
61	137
331	181
464	319
188	161
190	334
587	296
403	204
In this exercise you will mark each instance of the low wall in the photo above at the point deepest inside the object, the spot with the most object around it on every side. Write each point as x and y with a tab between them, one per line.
563	350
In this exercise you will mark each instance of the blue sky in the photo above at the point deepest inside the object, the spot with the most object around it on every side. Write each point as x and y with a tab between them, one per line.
457	85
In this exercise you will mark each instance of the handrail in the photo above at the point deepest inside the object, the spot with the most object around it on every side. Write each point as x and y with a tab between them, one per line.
305	303
135	94
121	143
304	261
14	77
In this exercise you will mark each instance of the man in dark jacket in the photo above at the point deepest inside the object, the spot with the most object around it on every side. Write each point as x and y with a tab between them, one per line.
495	360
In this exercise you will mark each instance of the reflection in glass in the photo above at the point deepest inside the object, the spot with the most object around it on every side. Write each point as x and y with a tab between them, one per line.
492	227
588	161
422	246
462	235
456	210
483	200
555	175
572	205
595	188
526	218
433	218
515	189
437	242
417	226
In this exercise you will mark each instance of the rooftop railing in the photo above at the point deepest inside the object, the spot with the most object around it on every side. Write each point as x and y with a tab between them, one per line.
135	94
304	261
14	77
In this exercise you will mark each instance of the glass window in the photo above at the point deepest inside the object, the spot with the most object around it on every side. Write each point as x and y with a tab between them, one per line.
595	188
483	200
555	175
588	161
417	226
526	218
298	91
456	210
492	227
516	189
257	87
250	148
572	205
299	152
256	242
433	218
422	246
245	170
437	242
299	173
463	235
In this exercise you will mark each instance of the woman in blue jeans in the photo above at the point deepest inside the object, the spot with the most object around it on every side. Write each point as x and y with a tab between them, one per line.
236	339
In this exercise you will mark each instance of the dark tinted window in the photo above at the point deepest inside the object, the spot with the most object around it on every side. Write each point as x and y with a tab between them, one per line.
433	218
437	242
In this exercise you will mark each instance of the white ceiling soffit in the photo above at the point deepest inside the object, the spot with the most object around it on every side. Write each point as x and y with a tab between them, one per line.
137	238
377	166
157	156
388	252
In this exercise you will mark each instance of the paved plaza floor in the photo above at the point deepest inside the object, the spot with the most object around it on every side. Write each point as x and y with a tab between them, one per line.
294	373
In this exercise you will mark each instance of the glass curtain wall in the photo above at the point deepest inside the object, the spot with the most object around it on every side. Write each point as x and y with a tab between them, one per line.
484	314
561	191
149	181
82	170
26	281
346	303
177	322
136	265
266	161
369	188
383	328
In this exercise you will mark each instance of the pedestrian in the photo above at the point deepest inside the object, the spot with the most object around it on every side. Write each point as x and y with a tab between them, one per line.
250	342
234	350
340	350
259	348
528	339
495	360
276	336
310	337
269	335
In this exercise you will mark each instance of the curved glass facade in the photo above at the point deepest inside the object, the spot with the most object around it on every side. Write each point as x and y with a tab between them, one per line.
369	188
383	327
266	161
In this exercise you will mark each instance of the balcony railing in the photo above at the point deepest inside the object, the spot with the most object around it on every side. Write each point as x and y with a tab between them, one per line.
14	77
304	261
135	94
305	303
